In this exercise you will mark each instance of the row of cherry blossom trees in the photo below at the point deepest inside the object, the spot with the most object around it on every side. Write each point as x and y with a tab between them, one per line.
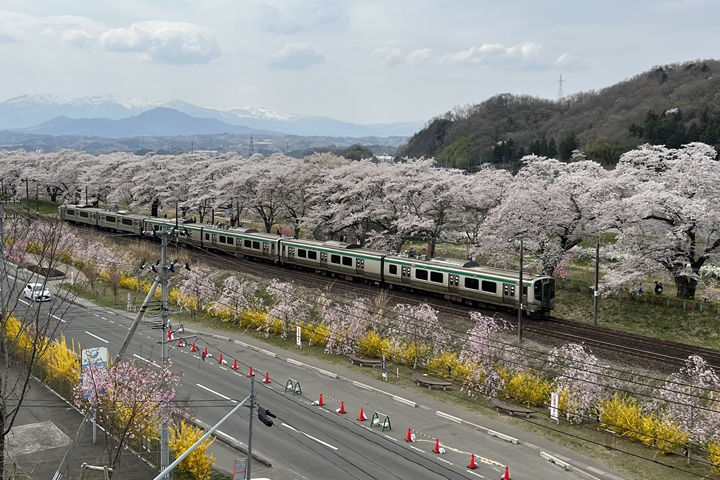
659	206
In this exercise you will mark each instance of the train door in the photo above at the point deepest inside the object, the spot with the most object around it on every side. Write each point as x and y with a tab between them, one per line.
405	274
266	249
323	260
454	283
360	267
509	294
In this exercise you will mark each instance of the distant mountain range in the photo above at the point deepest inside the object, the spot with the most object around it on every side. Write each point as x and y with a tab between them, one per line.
115	117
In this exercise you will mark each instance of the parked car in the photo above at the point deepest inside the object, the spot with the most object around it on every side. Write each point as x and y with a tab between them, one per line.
37	292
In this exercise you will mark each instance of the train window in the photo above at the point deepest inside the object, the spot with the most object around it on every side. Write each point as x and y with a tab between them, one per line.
302	253
71	212
207	236
312	255
126	221
230	240
436	277
256	245
335	259
392	269
537	290
248	244
223	239
110	219
347	261
472	283
490	287
421	274
84	214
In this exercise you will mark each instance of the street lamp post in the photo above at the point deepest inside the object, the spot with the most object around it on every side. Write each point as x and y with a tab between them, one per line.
37	199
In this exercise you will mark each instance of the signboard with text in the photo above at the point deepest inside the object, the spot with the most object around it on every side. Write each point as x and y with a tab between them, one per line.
98	358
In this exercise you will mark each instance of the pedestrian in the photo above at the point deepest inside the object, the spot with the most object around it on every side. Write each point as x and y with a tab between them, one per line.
658	288
203	354
640	291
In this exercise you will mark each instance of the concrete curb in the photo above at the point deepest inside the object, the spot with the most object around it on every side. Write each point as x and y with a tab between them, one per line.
382	392
232	442
311	367
566	466
493	433
257	349
211	335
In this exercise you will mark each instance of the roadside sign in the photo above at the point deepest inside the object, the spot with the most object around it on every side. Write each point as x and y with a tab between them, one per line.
240	468
383	364
298	336
554	402
92	357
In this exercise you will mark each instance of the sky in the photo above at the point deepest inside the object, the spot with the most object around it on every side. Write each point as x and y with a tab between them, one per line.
362	61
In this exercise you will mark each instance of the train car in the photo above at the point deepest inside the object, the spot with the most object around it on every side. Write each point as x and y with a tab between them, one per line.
79	214
467	282
120	221
345	260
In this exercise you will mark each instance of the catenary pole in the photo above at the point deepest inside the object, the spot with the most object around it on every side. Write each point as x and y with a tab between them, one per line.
597	280
164	432
520	294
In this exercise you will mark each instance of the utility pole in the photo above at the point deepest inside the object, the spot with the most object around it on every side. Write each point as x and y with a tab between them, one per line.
252	146
164	432
597	280
252	408
520	294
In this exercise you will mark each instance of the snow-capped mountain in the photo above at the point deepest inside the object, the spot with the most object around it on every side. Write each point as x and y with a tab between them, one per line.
32	110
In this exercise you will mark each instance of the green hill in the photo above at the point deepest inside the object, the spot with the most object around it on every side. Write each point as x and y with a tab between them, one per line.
671	105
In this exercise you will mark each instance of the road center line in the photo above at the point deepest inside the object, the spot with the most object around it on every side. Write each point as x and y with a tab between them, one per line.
216	393
310	436
58	318
145	360
101	339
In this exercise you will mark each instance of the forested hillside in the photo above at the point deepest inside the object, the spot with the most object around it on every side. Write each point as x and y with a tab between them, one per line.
672	105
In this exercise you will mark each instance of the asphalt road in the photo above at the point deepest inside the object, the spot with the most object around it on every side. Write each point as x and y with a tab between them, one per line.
314	442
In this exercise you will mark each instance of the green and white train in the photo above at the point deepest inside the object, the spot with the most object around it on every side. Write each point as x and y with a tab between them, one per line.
455	279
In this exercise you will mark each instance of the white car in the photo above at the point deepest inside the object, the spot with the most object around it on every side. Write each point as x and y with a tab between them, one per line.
37	292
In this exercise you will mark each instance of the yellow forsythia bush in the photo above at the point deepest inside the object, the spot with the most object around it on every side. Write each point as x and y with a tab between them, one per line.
626	418
199	463
713	450
668	437
61	362
527	387
252	319
128	282
448	365
316	334
372	345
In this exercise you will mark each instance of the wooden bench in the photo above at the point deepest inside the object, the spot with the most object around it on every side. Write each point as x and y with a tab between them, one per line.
430	382
511	409
372	362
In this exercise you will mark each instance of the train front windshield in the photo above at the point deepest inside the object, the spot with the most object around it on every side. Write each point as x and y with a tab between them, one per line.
545	291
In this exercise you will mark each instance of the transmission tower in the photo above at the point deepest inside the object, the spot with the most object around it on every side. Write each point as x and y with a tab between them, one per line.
252	146
560	88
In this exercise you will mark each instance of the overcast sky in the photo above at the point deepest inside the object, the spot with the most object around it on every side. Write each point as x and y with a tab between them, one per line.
364	61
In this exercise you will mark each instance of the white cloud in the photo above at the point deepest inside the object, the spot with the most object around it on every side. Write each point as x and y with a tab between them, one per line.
569	62
78	38
296	56
272	20
391	56
523	55
163	42
419	55
7	37
299	16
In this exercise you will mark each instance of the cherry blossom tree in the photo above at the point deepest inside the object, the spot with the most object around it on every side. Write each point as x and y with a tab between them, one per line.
418	327
664	204
347	325
197	289
689	398
552	205
289	306
485	349
128	397
235	297
579	379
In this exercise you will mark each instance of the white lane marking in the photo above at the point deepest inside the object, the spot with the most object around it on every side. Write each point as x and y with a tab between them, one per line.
96	315
111	321
58	318
476	474
103	318
418	449
443	460
223	368
145	360
391	438
101	339
310	436
216	393
23	301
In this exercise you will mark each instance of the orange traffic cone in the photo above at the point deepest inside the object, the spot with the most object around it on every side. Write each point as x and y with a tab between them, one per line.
235	366
362	416
320	402
472	465
267	377
437	446
342	408
409	436
506	476
251	374
193	348
220	360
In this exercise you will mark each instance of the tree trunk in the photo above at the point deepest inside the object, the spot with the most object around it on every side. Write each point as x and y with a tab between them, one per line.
154	208
685	286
